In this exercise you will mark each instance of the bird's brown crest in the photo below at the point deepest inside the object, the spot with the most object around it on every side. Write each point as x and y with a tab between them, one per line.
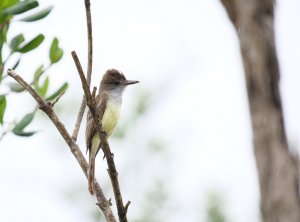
112	75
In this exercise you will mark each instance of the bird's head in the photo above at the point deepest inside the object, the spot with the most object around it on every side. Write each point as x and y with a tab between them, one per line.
115	80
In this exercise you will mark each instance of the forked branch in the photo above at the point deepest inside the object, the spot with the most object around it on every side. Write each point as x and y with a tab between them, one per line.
47	107
122	210
87	4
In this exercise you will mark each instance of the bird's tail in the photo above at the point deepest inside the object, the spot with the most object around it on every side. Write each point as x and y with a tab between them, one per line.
91	173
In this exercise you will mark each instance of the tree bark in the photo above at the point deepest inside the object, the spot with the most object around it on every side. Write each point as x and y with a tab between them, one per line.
277	168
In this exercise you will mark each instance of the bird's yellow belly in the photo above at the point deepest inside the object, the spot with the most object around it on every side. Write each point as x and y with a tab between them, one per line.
110	117
109	122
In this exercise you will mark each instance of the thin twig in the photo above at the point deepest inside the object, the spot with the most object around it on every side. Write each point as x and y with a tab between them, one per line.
103	203
79	119
86	88
94	92
58	98
105	146
90	40
127	205
89	68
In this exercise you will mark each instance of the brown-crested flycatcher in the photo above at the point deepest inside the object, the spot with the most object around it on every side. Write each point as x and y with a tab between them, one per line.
108	106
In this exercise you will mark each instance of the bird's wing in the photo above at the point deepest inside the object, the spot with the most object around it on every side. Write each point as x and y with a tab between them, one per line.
101	100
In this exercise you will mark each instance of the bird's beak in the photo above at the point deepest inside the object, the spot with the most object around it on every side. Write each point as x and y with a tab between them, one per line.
130	82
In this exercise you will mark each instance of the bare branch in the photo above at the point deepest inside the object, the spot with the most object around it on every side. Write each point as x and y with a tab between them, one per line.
90	40
86	88
105	146
79	119
103	203
90	66
277	171
113	174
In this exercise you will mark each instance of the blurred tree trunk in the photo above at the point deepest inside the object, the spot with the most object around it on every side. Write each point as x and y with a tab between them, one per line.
277	169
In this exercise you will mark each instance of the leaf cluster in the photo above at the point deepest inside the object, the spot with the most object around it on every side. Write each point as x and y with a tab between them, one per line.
12	11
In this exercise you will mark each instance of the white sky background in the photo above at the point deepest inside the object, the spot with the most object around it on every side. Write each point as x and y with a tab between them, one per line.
186	56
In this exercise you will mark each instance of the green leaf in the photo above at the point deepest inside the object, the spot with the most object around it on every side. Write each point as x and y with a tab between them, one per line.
37	74
16	42
21	7
16	64
19	128
58	92
34	43
25	134
3	32
43	90
2	108
3	5
25	121
55	53
38	15
16	87
7	3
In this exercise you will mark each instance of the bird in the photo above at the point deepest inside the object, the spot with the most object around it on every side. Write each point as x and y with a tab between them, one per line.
108	103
